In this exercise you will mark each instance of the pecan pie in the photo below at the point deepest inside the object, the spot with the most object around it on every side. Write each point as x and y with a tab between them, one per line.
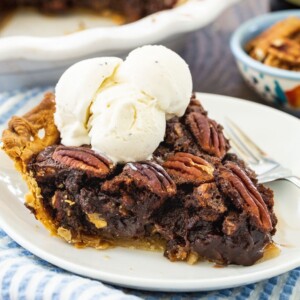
191	200
132	10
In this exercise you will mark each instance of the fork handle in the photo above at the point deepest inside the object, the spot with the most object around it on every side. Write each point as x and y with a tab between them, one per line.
294	179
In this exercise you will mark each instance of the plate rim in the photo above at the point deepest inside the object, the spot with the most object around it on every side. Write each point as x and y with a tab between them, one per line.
165	285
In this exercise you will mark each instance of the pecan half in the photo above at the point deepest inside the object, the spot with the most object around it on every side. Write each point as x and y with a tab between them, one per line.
84	159
188	168
153	176
208	134
286	50
244	194
146	174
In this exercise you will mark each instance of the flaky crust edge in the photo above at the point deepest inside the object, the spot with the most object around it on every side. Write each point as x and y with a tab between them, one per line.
25	137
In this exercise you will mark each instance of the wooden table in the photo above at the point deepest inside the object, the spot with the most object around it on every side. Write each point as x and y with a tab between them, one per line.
209	56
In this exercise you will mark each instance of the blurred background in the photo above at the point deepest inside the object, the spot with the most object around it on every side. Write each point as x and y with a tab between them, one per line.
209	56
206	50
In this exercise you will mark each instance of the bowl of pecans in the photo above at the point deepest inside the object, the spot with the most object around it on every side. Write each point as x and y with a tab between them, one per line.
267	52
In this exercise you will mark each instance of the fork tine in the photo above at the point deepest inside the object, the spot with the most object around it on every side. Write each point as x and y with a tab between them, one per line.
239	150
245	142
240	146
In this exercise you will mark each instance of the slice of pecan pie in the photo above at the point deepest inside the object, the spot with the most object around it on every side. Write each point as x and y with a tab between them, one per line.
192	199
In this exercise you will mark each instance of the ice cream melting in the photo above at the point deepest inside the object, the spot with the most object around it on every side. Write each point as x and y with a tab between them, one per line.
120	107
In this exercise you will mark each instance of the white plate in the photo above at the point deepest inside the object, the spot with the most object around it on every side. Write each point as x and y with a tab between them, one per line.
278	133
45	46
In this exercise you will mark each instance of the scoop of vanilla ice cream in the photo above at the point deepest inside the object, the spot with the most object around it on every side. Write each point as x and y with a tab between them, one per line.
120	108
126	124
160	73
74	94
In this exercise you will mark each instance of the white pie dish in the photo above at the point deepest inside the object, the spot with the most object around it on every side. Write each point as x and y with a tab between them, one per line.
46	51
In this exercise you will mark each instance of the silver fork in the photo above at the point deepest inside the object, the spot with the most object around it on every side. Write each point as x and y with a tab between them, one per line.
266	168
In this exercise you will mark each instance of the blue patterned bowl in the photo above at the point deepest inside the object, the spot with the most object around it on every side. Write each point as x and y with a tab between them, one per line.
273	84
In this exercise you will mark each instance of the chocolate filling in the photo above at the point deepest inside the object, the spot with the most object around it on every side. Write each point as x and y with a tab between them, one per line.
210	218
